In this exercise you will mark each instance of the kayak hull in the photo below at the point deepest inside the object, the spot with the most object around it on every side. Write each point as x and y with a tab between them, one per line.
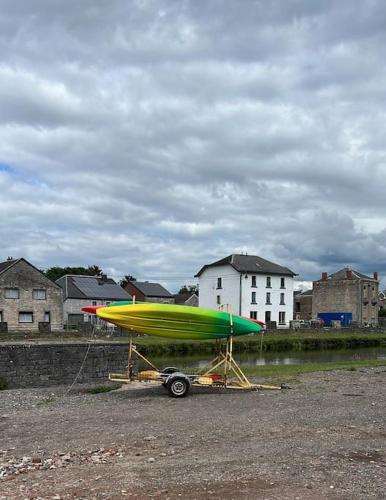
177	322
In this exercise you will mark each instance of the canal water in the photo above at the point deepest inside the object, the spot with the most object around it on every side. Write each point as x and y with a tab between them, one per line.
275	358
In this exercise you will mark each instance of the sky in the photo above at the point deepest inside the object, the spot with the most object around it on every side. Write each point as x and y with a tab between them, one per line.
152	137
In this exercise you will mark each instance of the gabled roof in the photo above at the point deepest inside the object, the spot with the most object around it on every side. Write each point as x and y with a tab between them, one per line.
91	287
5	265
151	289
185	298
343	274
249	264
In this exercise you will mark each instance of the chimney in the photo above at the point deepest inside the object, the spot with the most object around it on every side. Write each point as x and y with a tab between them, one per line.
348	274
375	275
324	276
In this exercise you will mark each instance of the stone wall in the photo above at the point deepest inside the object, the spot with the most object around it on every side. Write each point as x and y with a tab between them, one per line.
38	365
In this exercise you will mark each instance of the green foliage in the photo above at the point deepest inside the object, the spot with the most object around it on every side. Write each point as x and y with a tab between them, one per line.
382	313
3	384
189	289
124	281
54	273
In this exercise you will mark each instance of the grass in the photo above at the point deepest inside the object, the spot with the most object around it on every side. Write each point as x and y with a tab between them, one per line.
295	370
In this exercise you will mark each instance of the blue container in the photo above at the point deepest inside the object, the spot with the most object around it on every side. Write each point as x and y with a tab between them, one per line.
344	318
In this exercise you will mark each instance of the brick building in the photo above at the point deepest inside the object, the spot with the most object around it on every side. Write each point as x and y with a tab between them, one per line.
348	296
303	305
28	299
149	292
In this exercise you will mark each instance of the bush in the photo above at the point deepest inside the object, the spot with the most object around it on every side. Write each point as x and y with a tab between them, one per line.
3	384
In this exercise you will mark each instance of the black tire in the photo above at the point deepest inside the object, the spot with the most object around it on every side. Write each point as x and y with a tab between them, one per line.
178	386
169	370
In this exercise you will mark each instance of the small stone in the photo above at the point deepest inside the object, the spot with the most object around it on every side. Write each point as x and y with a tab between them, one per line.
149	438
36	460
151	460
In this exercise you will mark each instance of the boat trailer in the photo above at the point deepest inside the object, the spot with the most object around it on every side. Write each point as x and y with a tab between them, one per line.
224	373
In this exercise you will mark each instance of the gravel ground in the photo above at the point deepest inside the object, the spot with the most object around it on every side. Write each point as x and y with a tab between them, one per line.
323	438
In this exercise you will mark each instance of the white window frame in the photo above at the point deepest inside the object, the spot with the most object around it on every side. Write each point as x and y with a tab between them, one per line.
253	298
282	299
282	315
219	284
253	314
268	282
38	295
254	285
28	314
218	300
47	315
268	298
7	292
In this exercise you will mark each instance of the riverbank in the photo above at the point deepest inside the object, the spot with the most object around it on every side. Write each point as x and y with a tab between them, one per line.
155	346
324	438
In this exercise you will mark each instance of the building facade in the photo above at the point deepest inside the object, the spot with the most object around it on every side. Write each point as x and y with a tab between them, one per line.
303	305
249	286
29	301
347	296
80	291
145	291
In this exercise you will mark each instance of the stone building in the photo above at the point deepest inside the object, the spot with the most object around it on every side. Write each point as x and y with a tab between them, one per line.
303	305
347	296
28	299
146	291
80	291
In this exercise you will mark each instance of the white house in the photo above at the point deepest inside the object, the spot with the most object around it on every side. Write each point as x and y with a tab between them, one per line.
252	286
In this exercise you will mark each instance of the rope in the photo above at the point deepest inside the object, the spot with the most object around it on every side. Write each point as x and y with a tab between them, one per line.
82	365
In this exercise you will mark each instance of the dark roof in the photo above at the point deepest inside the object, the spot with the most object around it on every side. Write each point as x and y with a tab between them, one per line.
151	289
6	264
250	264
342	275
91	287
306	292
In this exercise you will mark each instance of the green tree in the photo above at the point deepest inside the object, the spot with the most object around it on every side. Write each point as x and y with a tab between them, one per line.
189	289
124	281
56	272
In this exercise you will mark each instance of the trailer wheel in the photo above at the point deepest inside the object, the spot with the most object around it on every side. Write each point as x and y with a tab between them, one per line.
178	385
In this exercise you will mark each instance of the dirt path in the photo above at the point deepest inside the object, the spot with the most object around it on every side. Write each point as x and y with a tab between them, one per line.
325	438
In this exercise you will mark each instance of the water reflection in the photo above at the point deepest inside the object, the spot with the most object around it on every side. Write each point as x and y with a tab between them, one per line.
278	358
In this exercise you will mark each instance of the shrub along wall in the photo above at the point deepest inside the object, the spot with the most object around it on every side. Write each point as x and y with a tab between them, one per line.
37	365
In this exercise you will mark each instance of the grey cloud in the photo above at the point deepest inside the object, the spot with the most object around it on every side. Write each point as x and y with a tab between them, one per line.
153	136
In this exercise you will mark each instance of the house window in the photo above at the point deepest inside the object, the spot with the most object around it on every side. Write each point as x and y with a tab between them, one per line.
254	281
282	282
219	283
268	298
253	314
47	317
11	293
26	317
297	307
253	298
267	316
282	303
39	294
281	317
218	299
94	302
268	282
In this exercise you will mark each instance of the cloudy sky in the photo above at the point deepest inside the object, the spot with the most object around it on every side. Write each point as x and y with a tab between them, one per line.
151	137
